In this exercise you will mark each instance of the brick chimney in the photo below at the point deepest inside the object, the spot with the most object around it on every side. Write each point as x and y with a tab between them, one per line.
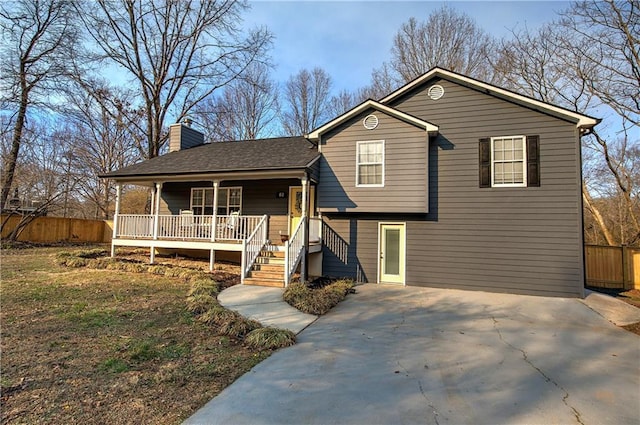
182	136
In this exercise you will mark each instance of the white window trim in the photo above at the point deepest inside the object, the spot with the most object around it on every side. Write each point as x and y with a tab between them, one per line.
358	144
227	189
524	162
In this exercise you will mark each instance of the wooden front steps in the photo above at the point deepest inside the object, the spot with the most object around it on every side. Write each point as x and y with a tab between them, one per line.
267	269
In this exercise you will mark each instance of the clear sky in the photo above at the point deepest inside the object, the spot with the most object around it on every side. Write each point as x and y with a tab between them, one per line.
350	38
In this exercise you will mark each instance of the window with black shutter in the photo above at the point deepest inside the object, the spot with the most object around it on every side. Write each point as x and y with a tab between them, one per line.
485	162
509	161
533	161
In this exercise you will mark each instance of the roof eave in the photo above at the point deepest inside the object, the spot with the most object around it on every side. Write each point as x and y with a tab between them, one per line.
200	172
432	129
580	120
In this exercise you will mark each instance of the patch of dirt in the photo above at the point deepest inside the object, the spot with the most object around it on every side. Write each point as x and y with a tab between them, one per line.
634	327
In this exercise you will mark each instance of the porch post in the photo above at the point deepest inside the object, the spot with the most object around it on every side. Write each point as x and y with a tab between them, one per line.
116	213
153	200
156	221
214	226
305	227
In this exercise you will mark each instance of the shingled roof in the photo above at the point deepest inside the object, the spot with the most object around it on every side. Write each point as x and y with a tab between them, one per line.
282	153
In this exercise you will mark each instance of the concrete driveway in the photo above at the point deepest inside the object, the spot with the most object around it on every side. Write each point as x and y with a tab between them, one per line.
394	355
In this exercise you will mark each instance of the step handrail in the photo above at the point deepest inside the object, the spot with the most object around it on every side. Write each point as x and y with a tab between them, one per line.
252	246
294	248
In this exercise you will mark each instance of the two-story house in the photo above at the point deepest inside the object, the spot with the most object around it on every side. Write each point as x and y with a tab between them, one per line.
447	182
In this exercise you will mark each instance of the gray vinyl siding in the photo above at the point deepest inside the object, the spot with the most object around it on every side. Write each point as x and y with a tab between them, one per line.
258	198
405	172
517	240
349	248
314	171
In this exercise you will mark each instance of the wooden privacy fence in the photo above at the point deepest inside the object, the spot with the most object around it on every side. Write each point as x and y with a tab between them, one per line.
614	267
58	229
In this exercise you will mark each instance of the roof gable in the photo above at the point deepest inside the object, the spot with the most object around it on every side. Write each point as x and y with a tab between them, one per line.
581	121
372	104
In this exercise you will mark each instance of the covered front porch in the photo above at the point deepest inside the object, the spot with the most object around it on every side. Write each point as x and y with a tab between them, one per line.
270	222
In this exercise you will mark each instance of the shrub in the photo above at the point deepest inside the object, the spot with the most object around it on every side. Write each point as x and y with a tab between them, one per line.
210	317
270	338
203	286
157	269
101	263
91	253
342	287
318	300
189	274
76	262
296	292
200	303
239	327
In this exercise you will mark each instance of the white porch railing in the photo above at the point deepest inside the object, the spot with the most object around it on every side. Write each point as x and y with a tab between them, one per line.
294	248
135	226
252	246
228	227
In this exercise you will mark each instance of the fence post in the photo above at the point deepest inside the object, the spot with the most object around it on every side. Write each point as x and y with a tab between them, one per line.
625	277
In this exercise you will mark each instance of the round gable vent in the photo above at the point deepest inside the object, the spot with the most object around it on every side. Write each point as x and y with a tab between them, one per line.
370	122
435	92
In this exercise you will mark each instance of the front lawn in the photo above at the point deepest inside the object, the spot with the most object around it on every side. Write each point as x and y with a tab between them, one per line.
105	346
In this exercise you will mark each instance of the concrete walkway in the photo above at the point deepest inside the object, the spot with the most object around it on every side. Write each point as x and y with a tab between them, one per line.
265	305
394	355
614	310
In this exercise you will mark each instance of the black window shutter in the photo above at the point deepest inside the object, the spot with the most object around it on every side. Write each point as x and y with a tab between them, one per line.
533	161
485	162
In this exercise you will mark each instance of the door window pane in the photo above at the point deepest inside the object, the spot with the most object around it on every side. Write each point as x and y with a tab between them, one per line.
392	251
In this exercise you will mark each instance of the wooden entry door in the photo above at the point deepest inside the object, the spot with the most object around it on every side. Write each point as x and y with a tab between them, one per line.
295	205
392	255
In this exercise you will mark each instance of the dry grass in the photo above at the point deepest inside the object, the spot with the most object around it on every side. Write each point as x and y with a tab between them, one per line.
270	338
317	299
107	346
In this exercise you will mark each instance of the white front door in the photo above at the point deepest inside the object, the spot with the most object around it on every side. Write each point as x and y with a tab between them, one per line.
392	256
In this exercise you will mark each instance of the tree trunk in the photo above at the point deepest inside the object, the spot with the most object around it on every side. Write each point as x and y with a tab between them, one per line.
597	216
7	178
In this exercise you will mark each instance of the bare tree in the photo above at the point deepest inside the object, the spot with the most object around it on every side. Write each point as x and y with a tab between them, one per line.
305	101
43	177
246	109
588	61
343	101
178	52
383	81
609	35
102	139
448	38
37	36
